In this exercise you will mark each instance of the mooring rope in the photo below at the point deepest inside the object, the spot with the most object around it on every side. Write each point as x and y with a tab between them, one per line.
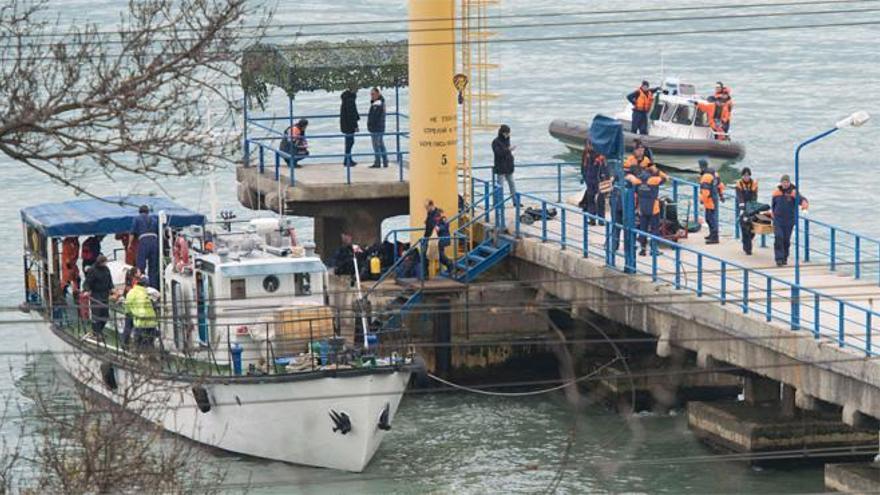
523	394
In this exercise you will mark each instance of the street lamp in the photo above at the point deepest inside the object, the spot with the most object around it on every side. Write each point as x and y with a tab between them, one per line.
857	119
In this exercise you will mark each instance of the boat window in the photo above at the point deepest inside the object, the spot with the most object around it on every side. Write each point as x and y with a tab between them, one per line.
238	288
659	109
668	112
687	89
684	114
302	284
702	120
179	314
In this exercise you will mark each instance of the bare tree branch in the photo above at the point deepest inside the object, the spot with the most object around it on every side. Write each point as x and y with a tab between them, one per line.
126	103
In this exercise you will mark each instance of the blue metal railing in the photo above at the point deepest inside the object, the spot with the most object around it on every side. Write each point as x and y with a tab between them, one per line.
268	141
840	249
750	290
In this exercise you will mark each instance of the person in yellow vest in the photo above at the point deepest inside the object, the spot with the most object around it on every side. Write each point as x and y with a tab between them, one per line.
139	305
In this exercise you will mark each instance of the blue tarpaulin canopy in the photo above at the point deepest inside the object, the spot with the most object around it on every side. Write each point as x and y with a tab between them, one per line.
110	215
606	133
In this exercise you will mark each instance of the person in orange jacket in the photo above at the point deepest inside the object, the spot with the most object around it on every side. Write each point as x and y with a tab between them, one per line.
642	100
717	112
711	195
647	184
639	157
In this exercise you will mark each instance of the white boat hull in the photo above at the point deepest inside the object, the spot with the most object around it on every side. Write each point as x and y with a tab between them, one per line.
270	417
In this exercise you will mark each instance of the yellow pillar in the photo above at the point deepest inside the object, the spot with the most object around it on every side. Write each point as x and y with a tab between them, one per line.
433	116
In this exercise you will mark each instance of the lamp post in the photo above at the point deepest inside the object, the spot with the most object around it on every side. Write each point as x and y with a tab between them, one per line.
857	119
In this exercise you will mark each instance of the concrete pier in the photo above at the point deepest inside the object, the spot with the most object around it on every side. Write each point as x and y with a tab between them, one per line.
861	477
321	191
744	427
659	392
720	333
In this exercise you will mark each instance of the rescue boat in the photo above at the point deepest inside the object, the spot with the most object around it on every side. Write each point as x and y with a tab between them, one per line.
250	357
678	134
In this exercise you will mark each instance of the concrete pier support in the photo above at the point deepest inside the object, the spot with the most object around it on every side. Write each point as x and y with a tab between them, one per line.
745	428
856	477
759	390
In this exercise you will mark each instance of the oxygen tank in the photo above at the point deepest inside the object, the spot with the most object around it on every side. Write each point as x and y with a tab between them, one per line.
375	266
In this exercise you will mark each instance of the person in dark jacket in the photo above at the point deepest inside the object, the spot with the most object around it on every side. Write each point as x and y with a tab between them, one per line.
91	249
430	218
99	284
145	228
376	126
503	167
746	194
348	121
595	170
443	238
783	205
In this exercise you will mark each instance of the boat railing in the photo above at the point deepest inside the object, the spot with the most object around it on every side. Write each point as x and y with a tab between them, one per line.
263	350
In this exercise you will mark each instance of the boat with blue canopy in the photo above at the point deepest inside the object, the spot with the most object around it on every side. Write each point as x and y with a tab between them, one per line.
247	354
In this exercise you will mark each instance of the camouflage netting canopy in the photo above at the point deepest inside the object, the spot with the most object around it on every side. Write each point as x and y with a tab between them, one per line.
322	65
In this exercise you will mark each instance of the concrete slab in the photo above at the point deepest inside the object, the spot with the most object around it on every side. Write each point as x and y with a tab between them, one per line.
657	391
856	477
325	182
746	428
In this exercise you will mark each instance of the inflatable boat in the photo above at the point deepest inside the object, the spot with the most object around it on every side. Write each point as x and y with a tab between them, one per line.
678	134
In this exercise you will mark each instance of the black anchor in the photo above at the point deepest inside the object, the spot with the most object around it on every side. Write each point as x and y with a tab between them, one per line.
341	422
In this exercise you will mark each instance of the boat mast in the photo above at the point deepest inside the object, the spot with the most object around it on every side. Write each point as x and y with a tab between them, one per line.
357	278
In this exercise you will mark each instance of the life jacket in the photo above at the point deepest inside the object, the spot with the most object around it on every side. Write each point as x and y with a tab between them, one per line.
711	189
632	160
181	253
69	268
726	109
648	192
595	168
746	191
644	100
783	203
140	307
716	113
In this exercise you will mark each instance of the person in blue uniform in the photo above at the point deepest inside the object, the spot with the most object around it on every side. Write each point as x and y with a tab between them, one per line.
647	184
784	202
145	228
595	171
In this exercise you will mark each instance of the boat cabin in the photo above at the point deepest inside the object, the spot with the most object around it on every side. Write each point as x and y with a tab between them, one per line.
674	114
226	296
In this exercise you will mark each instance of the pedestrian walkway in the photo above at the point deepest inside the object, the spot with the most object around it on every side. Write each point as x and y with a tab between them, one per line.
830	302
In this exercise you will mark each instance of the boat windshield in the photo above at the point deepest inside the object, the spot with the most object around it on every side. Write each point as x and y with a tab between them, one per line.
682	115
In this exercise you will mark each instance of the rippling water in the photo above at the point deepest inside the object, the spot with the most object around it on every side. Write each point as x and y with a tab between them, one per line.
788	85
